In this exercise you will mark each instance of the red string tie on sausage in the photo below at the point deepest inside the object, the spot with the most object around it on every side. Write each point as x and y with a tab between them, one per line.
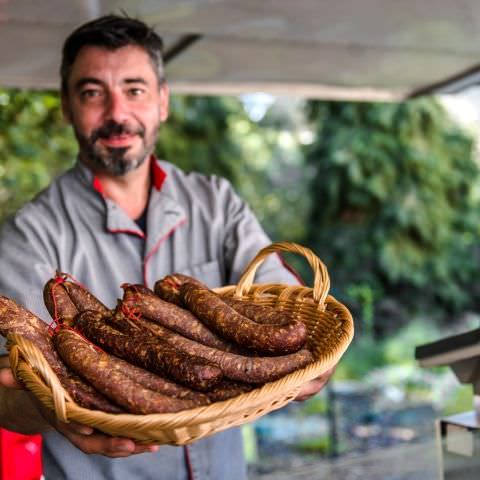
85	339
132	313
172	282
55	323
124	286
74	280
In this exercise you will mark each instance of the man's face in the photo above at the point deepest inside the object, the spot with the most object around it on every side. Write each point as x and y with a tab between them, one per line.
115	105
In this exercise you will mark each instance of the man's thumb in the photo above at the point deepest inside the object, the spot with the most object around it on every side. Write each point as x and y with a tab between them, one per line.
8	380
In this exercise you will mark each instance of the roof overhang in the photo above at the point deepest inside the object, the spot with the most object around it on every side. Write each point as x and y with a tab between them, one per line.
378	50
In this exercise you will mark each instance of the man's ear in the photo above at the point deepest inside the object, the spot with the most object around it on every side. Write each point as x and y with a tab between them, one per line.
65	108
164	101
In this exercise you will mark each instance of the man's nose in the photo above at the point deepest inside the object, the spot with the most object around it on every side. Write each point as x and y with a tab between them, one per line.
116	108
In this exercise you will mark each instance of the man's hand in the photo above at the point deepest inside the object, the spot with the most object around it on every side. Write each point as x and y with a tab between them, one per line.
314	386
90	441
82	436
7	378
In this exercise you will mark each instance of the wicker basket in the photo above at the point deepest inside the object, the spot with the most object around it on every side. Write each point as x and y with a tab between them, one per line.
330	329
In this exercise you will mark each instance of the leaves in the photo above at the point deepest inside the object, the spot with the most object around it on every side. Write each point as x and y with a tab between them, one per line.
35	145
397	186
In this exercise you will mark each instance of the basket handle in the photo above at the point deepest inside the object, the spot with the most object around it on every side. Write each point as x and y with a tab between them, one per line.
19	346
321	280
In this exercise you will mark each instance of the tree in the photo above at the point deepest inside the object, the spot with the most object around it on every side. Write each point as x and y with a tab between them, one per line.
394	208
35	145
198	135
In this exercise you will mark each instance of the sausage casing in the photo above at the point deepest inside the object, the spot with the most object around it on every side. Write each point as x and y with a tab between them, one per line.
153	355
226	321
98	368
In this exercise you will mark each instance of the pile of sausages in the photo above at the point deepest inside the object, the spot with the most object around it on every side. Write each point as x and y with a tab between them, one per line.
176	347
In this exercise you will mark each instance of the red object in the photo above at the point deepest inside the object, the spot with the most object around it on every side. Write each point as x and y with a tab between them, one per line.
20	456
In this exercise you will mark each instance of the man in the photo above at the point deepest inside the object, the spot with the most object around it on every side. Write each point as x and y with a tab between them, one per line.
120	216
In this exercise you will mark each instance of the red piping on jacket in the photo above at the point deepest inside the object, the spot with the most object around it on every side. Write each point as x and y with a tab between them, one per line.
132	232
156	247
188	463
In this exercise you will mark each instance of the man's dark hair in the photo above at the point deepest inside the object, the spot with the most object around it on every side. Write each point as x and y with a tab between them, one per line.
111	32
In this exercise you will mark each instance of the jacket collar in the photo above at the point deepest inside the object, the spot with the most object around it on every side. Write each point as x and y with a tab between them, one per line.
163	214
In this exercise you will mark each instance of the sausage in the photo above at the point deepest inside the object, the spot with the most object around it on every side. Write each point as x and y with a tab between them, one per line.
97	368
83	299
168	288
16	319
157	383
236	367
58	302
86	396
258	313
171	316
121	322
227	389
152	354
223	319
148	379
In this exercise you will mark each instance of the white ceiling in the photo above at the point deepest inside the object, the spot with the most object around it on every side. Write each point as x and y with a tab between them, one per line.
345	49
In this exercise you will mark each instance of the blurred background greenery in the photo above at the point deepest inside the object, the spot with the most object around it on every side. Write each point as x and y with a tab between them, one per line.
387	195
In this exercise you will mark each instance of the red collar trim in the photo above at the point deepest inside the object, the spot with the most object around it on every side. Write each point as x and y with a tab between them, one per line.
158	174
97	185
158	177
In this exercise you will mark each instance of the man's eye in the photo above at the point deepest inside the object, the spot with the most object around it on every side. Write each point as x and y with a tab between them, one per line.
90	93
136	92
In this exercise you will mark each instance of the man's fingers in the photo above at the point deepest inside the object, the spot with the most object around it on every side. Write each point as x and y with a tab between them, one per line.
8	380
89	441
314	386
80	429
146	448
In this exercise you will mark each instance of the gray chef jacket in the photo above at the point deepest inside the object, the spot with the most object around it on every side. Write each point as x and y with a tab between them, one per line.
196	225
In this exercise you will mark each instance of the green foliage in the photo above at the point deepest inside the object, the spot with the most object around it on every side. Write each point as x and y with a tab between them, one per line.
394	201
460	400
363	355
199	135
317	405
35	145
399	348
321	444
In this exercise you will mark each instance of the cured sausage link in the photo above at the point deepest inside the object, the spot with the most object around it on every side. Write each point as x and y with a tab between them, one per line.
236	367
224	390
227	389
98	369
259	313
223	319
153	355
83	299
148	379
171	316
58	302
168	288
16	319
157	383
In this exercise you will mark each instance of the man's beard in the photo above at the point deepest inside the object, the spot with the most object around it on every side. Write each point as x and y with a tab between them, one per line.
114	160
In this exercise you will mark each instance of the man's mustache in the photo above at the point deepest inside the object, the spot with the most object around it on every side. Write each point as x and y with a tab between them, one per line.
113	128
